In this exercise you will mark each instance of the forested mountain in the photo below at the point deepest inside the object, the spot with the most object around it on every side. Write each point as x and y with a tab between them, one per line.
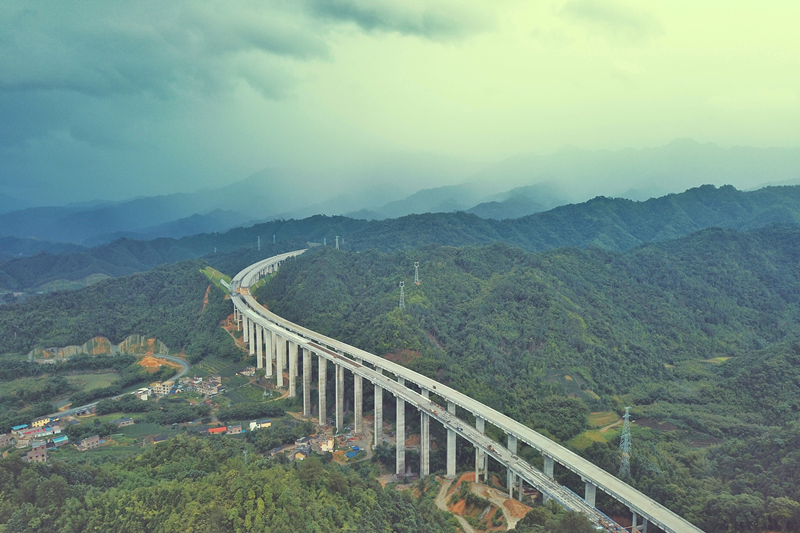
14	247
202	485
546	337
166	303
613	224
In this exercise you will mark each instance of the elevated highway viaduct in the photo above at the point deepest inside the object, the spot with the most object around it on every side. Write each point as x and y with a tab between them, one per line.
274	340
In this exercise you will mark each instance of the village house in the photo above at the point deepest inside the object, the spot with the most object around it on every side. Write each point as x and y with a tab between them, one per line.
38	453
300	454
57	442
326	445
260	424
303	442
249	371
40	422
18	430
122	422
6	440
235	429
162	388
160	438
144	393
218	431
89	443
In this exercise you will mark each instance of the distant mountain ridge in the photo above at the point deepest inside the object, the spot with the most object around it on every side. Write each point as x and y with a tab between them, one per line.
520	185
608	223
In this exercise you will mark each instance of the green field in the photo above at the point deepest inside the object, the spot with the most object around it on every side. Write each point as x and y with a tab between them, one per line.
248	393
215	276
602	419
93	381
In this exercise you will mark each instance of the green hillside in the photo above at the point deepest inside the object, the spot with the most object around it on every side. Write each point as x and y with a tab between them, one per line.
548	337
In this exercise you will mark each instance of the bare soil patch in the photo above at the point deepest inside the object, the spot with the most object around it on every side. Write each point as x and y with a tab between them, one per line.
151	363
517	509
403	357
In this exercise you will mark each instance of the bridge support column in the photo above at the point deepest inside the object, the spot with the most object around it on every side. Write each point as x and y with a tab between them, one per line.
480	456
259	346
378	413
306	382
339	397
548	471
400	439
424	444
292	370
590	493
252	337
323	379
636	526
280	357
358	396
510	477
245	330
269	350
451	445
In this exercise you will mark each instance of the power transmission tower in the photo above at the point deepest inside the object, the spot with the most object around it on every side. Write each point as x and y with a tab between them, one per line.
402	296
625	446
416	272
337	242
259	243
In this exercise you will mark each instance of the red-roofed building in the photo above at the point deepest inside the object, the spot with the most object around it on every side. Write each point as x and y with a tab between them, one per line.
217	431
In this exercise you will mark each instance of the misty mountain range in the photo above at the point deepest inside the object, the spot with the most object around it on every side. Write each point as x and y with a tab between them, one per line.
607	223
518	186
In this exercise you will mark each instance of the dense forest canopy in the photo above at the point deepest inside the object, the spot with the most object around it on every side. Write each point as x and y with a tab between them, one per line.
201	485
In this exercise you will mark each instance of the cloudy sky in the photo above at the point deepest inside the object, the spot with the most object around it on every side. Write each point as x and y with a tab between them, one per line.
115	99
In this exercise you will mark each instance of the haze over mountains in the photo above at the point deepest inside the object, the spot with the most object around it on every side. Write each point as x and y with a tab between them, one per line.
607	223
518	186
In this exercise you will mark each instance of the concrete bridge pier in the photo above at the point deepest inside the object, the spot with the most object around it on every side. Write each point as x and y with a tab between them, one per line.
252	330
590	493
306	382
378	432
269	350
245	330
358	408
259	346
451	445
292	370
424	444
400	434
339	397
323	379
280	357
548	471
635	523
480	456
510	476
